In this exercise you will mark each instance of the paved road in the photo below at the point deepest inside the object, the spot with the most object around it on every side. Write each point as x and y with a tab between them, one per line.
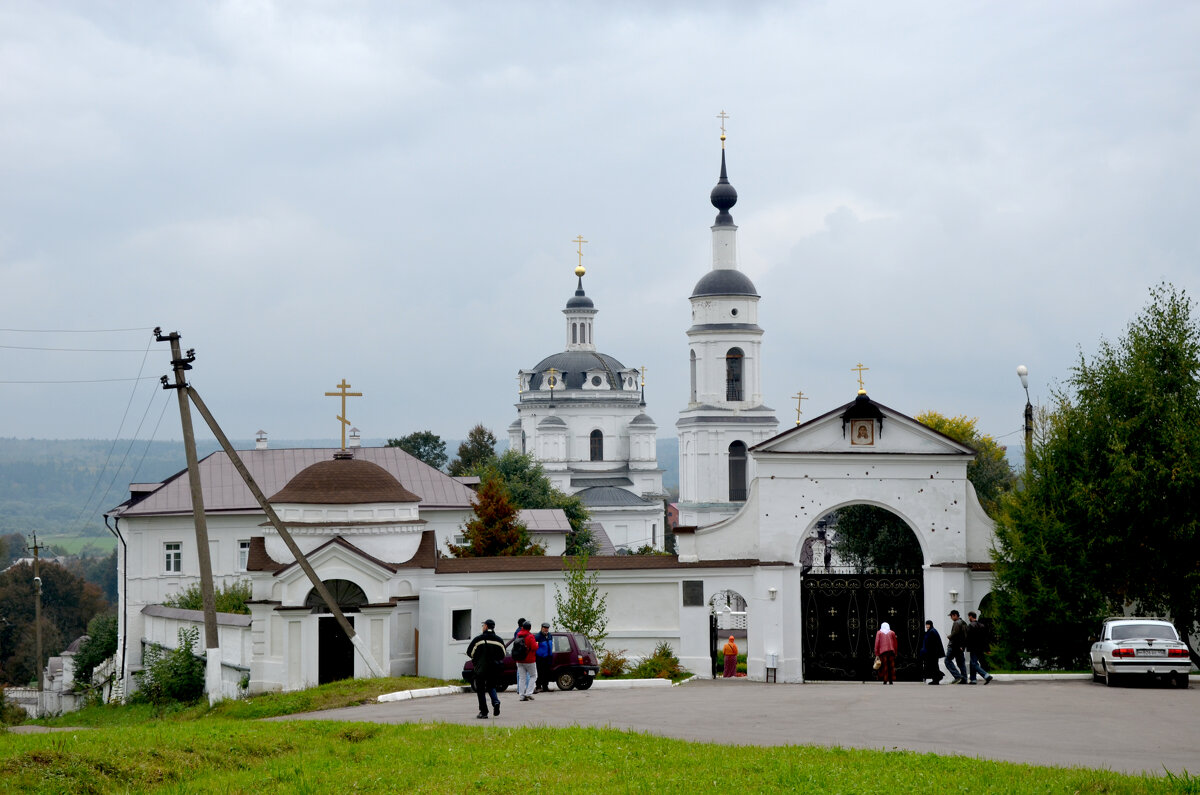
1065	723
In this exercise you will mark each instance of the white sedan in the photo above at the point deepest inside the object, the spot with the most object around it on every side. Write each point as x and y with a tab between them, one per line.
1147	647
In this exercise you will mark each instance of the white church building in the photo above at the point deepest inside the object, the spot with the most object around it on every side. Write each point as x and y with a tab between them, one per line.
582	415
373	522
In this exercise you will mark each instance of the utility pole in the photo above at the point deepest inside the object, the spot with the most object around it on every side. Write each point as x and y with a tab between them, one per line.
37	615
212	679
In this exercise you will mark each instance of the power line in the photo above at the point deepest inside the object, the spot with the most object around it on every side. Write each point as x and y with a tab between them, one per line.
103	469
73	330
72	350
86	380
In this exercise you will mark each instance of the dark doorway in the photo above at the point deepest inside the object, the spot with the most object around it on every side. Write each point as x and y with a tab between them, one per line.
841	611
335	652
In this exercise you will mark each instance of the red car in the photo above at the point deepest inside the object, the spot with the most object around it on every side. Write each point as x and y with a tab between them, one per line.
574	663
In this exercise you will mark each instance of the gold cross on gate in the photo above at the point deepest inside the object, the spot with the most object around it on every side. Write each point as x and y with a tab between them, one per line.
343	394
579	241
833	636
892	611
799	396
860	370
833	611
722	116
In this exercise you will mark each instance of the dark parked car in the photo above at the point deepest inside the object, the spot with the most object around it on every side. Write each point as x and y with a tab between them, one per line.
574	663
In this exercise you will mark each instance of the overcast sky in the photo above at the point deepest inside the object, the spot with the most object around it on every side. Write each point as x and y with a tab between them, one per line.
388	192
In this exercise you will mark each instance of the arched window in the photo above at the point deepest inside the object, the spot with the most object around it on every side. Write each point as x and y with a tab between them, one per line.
693	357
574	333
733	374
737	472
597	446
348	595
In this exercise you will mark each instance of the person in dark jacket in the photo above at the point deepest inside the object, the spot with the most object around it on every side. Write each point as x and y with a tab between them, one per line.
977	646
487	651
956	643
932	651
545	658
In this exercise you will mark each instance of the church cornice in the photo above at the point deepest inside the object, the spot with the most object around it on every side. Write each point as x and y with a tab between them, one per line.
720	328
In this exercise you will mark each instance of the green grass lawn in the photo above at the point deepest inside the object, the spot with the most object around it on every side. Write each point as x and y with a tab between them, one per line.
138	749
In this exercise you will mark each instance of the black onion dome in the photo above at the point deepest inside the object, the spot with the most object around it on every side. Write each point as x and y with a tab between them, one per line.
724	281
572	367
579	300
723	197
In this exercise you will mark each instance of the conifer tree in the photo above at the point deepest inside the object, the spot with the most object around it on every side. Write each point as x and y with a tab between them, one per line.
495	531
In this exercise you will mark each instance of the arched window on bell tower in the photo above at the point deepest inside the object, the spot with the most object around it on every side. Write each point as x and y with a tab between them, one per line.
597	440
733	375
693	363
737	472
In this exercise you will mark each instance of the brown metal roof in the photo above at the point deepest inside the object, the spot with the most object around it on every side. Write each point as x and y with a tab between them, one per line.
547	563
424	558
343	481
224	490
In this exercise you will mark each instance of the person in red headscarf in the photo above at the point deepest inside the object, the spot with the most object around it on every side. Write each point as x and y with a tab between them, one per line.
731	653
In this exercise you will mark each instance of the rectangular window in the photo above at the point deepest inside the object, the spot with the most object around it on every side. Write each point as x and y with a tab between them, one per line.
173	560
460	624
243	555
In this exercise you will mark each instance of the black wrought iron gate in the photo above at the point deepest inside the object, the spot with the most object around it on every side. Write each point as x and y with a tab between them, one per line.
840	614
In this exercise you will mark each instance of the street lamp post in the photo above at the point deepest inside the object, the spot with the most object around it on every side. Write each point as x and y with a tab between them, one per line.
1023	374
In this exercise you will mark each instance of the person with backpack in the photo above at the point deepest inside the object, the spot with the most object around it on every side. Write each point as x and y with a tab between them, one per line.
486	651
545	659
977	646
524	654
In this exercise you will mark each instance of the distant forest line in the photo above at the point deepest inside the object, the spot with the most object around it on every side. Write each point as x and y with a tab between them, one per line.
62	487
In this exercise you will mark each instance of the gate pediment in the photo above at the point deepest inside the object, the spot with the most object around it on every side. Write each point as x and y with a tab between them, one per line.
862	427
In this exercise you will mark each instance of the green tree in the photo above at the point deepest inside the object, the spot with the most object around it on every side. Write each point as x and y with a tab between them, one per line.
68	604
582	608
227	598
494	531
872	538
989	472
101	644
478	449
1108	516
528	487
425	445
172	675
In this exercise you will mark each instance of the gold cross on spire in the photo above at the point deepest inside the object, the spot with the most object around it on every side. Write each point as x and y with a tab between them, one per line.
643	376
799	396
343	394
860	370
722	116
520	383
579	241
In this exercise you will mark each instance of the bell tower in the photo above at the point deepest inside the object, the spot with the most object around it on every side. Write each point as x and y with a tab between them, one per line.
725	415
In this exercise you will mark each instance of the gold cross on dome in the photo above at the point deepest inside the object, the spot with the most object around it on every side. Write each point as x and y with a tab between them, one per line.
343	394
722	116
553	378
579	241
860	370
799	396
520	383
